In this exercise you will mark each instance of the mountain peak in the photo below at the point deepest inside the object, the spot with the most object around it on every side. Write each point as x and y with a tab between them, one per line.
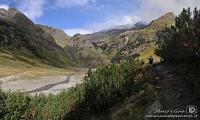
15	16
170	14
164	21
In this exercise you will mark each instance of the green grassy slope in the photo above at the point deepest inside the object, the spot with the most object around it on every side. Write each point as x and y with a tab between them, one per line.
24	67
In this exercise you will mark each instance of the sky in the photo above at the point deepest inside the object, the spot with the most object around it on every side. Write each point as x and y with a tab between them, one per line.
88	16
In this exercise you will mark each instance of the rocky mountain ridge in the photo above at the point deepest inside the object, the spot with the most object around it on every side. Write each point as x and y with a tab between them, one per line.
21	36
118	44
132	42
105	35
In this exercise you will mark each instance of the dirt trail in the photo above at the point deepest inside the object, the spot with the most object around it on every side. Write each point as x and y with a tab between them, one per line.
174	92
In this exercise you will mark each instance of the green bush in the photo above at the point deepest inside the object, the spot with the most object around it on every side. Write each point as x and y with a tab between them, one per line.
17	106
2	104
107	86
55	106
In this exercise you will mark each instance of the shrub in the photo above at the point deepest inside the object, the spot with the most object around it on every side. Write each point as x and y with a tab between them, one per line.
107	86
17	106
56	106
2	103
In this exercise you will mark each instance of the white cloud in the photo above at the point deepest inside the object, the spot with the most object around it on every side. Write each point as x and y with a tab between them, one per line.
73	3
72	32
4	6
108	24
130	19
152	9
148	10
112	22
32	8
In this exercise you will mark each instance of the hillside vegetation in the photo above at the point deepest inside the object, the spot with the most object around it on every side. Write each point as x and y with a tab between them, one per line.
131	43
25	67
60	37
20	36
84	53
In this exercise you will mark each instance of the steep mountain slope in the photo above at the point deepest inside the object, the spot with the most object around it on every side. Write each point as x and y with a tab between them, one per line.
20	36
81	50
84	52
61	38
132	42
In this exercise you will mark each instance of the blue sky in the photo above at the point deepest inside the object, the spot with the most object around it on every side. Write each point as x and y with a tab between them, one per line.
87	16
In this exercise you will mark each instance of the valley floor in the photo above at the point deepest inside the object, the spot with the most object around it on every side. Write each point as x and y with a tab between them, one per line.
17	74
46	85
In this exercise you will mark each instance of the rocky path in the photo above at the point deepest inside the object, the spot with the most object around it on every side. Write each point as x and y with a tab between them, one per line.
174	93
173	90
